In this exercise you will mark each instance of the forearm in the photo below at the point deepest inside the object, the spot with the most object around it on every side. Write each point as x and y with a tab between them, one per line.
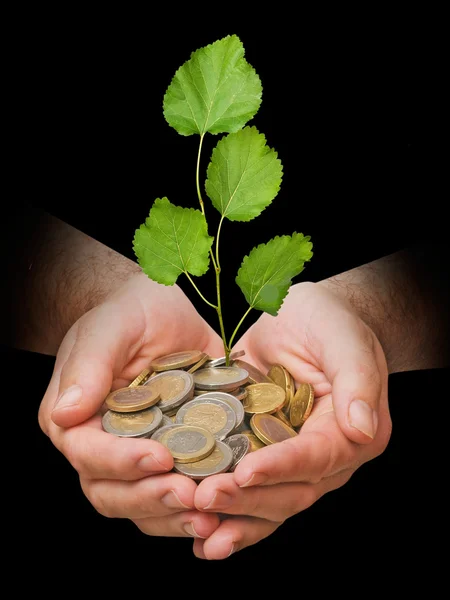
59	274
404	298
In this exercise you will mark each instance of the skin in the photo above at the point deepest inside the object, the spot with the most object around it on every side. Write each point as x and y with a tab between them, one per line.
119	324
390	316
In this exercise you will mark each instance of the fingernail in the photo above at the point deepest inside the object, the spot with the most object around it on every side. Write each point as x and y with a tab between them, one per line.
71	397
233	546
150	464
362	417
255	479
221	500
190	530
171	500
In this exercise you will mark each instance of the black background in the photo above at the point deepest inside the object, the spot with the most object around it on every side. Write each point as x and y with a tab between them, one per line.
354	113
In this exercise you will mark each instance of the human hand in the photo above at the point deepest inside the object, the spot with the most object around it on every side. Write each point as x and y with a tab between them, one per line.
104	350
321	340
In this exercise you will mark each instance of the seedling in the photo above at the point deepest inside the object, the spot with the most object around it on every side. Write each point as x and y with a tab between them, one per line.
217	91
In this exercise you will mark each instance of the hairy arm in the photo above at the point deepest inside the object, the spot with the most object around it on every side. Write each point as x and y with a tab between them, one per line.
405	299
54	274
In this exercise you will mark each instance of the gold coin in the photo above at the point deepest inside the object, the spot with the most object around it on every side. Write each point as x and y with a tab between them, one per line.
188	443
177	360
264	398
141	378
281	376
270	430
199	364
131	399
255	442
301	404
280	415
254	374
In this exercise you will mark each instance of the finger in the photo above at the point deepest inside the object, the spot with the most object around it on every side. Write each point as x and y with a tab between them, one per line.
182	524
356	372
96	454
102	346
51	393
233	534
272	503
315	453
155	496
357	386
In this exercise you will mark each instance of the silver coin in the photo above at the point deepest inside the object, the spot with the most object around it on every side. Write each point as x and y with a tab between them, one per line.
240	446
166	420
215	415
162	430
230	399
218	362
219	461
188	443
175	387
137	424
220	379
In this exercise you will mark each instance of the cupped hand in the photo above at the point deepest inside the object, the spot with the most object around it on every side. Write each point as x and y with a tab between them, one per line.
104	350
319	339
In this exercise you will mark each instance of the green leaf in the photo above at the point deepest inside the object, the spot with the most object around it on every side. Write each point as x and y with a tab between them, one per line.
266	273
172	240
215	91
244	175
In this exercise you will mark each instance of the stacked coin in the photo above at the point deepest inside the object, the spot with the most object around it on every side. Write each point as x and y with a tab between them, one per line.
207	414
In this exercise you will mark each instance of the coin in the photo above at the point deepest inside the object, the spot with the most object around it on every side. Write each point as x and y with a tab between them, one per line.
188	443
281	376
279	414
175	387
254	374
139	424
269	429
215	415
220	378
232	401
264	398
131	399
166	420
255	442
139	380
240	446
301	404
156	435
177	360
218	362
239	393
198	364
219	461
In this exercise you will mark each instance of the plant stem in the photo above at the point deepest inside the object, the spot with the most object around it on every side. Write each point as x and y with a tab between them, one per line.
230	344
219	312
199	292
199	194
197	175
215	263
217	243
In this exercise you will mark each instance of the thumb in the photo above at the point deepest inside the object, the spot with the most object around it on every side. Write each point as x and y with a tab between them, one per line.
85	378
359	385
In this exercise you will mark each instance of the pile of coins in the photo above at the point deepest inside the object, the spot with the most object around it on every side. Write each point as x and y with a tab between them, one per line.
207	414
